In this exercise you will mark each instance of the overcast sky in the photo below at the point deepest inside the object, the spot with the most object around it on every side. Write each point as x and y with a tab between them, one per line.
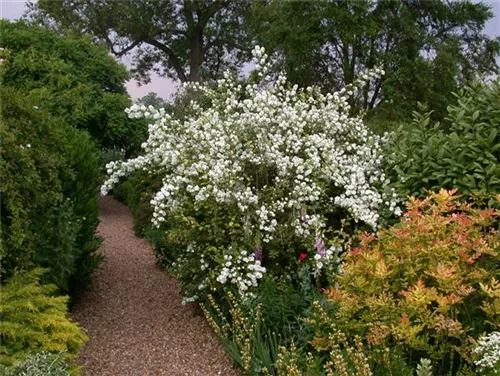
13	9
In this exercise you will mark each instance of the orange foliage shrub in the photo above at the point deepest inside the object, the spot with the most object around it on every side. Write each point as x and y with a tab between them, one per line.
429	284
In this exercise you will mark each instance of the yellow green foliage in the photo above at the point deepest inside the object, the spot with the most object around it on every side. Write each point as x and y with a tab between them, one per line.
430	283
33	319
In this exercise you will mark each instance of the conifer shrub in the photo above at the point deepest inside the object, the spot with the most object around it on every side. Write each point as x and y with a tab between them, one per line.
33	203
430	284
34	319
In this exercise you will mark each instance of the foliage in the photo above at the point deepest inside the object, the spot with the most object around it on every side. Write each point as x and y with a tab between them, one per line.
266	173
81	192
136	192
345	358
427	48
185	40
34	320
253	330
43	363
429	284
152	99
424	368
73	79
39	166
48	194
461	152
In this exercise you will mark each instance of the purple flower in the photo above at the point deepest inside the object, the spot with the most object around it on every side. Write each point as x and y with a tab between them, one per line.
320	246
258	254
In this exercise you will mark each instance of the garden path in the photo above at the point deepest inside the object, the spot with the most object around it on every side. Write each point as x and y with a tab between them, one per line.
134	316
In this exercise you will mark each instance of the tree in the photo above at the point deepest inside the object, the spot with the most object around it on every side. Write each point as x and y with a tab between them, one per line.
185	40
427	48
73	79
152	99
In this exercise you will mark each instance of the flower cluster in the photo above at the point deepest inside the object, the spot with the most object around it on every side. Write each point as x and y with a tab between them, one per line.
488	348
325	257
285	158
242	270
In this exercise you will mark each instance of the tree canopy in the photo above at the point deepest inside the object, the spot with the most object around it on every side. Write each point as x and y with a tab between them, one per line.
73	79
184	40
427	48
152	99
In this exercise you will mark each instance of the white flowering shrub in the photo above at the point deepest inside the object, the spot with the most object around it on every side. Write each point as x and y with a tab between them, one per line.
488	351
267	172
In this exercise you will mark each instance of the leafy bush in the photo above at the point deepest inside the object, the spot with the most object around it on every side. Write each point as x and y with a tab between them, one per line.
136	192
82	191
48	194
264	174
43	363
429	284
74	79
461	152
32	158
34	320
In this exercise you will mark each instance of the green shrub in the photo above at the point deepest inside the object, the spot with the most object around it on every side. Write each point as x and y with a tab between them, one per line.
82	191
41	364
34	320
49	209
136	192
461	152
33	164
429	284
253	330
74	79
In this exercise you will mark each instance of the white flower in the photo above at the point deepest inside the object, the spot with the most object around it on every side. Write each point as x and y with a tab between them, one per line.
275	156
488	347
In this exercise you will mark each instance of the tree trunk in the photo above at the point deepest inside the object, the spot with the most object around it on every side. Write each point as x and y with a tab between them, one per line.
196	54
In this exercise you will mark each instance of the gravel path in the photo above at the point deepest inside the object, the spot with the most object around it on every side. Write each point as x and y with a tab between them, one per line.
134	316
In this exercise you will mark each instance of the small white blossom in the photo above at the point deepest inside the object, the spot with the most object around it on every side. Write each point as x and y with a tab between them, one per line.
488	348
284	157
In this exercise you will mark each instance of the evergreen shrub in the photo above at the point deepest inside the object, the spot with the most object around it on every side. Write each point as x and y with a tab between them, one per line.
50	178
34	319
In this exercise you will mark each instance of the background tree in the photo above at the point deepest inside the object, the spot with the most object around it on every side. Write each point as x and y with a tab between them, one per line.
152	99
427	48
184	40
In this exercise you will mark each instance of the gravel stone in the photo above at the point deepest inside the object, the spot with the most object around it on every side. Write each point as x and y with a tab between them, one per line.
133	315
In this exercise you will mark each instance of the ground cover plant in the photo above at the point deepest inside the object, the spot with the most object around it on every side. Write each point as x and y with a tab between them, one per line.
43	363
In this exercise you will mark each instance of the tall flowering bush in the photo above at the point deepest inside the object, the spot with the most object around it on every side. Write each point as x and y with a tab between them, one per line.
262	177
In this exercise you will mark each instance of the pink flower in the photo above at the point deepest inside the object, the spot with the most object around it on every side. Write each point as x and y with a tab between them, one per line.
302	257
258	254
320	246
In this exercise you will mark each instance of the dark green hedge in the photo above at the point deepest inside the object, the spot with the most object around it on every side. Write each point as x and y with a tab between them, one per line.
50	178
